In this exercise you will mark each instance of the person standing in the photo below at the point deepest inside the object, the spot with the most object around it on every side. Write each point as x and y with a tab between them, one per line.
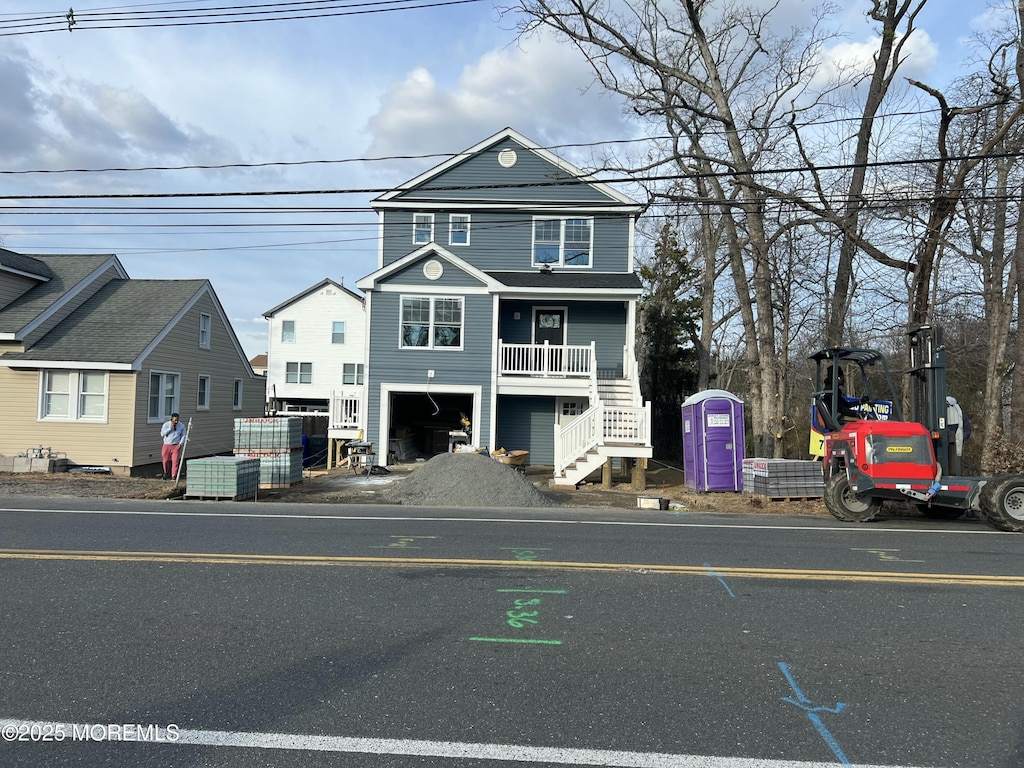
173	434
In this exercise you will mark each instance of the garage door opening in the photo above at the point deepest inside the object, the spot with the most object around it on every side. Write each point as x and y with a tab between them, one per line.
420	423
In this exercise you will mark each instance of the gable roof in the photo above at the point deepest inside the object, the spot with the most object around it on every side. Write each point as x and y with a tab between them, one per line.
67	276
619	283
370	282
118	326
312	289
611	195
20	264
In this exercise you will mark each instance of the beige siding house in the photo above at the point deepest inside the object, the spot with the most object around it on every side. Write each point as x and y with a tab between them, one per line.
92	363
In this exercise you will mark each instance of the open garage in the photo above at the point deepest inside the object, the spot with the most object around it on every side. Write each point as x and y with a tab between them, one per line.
419	422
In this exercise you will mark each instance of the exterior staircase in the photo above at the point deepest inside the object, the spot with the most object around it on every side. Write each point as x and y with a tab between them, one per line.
617	425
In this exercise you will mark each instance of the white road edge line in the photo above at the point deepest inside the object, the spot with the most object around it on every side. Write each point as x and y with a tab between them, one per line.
449	749
397	518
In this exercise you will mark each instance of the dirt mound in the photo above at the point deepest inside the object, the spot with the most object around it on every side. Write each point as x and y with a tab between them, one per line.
465	480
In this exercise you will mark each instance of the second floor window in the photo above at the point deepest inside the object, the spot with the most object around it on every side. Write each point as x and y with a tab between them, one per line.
422	228
562	242
338	332
431	322
287	331
204	331
458	229
298	373
352	373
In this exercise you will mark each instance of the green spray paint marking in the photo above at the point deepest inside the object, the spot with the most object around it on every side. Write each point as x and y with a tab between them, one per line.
526	554
537	591
522	641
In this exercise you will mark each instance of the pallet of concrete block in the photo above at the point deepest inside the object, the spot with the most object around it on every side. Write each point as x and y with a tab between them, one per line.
275	435
775	479
278	470
226	478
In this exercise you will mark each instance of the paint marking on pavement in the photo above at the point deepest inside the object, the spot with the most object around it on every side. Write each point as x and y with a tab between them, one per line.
788	574
447	749
814	713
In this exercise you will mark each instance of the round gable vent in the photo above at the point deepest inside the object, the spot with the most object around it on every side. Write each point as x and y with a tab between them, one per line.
433	270
507	158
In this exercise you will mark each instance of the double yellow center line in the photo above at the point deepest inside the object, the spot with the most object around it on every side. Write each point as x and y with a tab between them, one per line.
788	574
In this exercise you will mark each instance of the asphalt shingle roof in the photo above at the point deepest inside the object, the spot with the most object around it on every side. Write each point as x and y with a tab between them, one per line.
569	280
66	271
116	324
23	263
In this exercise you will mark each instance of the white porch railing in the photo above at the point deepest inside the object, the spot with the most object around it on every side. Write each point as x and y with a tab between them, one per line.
562	360
599	425
346	410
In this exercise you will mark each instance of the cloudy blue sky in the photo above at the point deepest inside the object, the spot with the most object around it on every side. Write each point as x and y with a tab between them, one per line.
401	84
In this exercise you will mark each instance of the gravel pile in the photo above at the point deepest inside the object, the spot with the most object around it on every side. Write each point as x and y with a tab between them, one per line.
465	480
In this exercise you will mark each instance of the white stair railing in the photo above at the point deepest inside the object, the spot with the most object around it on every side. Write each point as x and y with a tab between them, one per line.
574	440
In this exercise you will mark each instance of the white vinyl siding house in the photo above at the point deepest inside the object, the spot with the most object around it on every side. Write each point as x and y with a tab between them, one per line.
312	338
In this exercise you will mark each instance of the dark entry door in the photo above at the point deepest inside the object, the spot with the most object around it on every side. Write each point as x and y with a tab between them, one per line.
549	326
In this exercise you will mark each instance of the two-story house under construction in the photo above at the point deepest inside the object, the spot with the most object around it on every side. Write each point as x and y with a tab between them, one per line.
505	294
316	356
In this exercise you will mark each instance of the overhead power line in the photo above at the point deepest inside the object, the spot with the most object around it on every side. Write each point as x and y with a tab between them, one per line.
568	181
72	21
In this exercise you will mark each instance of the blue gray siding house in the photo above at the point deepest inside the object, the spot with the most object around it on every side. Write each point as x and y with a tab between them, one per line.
505	294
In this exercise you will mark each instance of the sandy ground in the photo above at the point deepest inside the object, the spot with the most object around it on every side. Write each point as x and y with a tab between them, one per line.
341	487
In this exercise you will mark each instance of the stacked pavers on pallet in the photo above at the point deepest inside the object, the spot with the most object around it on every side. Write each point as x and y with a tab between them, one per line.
222	477
277	443
782	478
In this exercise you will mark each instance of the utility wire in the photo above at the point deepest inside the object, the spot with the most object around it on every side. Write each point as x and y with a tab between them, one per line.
445	156
561	182
71	21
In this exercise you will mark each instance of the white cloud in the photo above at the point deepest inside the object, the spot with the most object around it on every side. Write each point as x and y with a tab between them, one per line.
538	89
857	58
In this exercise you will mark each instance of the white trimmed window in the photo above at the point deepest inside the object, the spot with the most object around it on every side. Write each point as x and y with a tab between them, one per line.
204	330
73	396
203	393
163	395
422	228
431	322
338	332
236	396
572	407
298	373
287	331
458	229
562	242
352	373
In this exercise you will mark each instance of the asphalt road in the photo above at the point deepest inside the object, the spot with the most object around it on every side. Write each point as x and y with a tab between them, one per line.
206	634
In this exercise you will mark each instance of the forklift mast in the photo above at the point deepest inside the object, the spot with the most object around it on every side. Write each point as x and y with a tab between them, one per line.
928	387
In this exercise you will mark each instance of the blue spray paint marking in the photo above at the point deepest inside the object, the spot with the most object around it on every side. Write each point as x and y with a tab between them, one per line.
804	703
712	572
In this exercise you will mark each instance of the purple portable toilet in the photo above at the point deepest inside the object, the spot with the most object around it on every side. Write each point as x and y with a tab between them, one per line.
713	444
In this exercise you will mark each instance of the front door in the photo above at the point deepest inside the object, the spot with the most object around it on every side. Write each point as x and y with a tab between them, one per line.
549	326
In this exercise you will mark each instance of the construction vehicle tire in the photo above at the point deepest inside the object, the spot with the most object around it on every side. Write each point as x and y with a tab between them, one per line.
1002	502
844	504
